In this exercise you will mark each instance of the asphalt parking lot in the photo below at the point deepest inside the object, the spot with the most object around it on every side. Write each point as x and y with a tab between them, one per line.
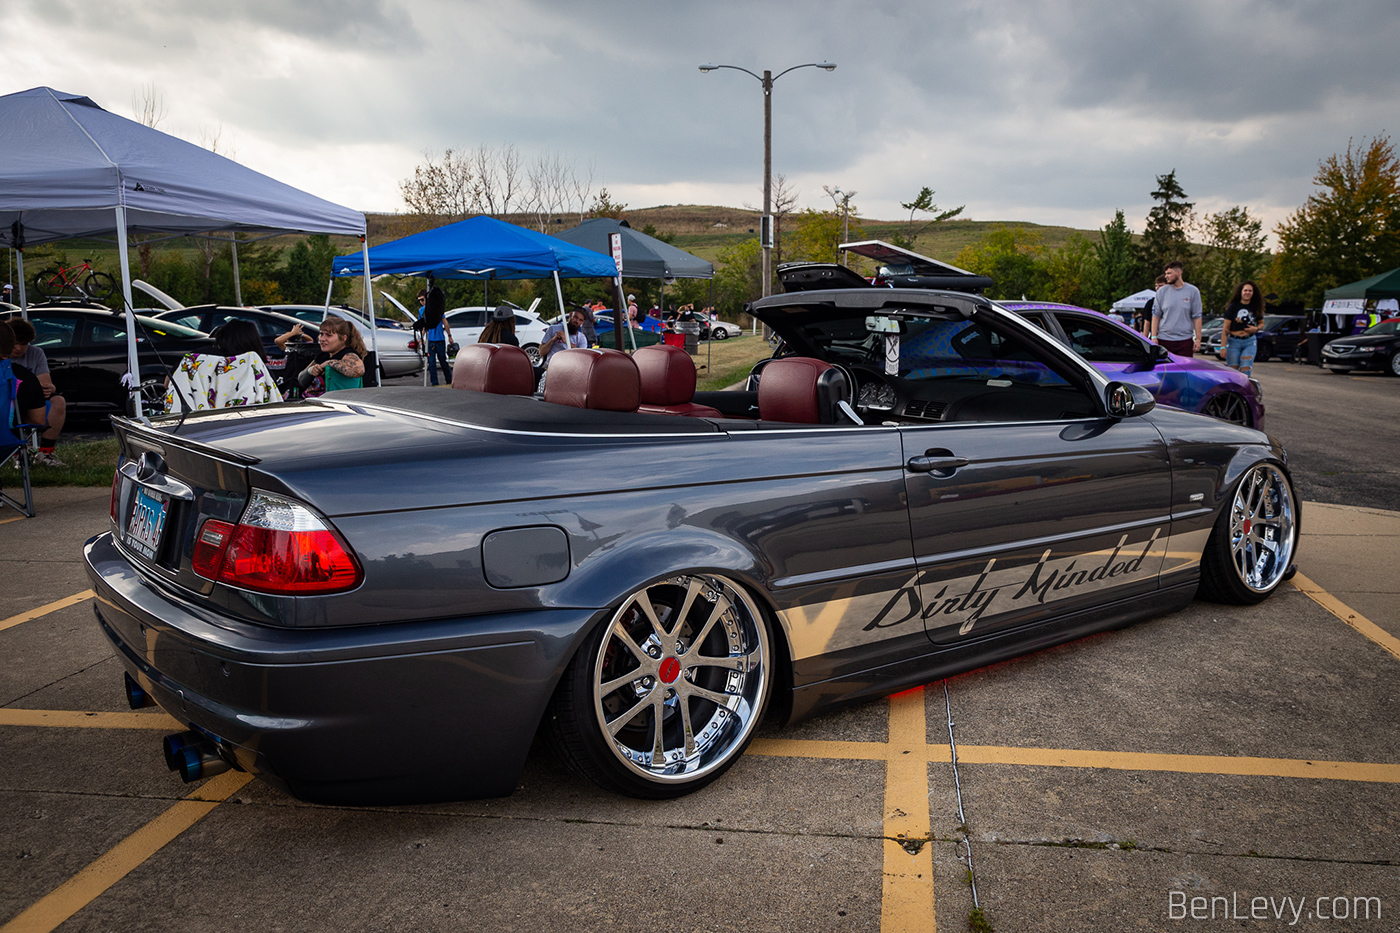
1217	768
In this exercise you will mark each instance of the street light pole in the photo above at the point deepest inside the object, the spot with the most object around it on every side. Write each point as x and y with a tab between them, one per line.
765	223
765	228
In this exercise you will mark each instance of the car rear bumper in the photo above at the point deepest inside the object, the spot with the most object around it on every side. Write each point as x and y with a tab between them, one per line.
403	713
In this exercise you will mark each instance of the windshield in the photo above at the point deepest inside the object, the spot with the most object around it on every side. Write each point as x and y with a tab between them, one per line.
1274	320
166	328
1381	329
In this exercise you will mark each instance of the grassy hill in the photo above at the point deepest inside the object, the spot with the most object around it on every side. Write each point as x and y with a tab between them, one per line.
705	230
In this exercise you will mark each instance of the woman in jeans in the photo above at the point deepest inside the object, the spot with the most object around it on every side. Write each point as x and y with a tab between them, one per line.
1243	317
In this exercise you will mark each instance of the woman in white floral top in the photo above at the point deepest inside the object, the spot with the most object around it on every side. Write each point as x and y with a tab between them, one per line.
234	375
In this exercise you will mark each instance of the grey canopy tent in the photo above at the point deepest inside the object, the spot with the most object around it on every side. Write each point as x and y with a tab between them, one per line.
643	257
68	169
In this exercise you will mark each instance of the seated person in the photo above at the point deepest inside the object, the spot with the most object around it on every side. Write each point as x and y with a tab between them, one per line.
341	362
51	410
501	329
234	375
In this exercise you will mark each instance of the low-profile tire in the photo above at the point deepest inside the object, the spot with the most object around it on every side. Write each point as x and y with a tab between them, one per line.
1252	544
1262	353
1393	368
532	350
691	652
1231	407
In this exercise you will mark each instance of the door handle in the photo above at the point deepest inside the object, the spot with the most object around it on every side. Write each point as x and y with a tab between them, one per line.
940	466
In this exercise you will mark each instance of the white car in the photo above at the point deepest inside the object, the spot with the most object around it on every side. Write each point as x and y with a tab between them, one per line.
467	324
398	354
723	330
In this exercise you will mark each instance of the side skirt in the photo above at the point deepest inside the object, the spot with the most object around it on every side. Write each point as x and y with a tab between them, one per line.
814	698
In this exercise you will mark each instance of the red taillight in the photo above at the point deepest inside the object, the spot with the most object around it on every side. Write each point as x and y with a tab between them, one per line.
279	546
274	561
210	546
116	484
413	345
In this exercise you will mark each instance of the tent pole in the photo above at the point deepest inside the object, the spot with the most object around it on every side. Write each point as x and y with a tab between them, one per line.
237	285
423	333
563	315
330	287
369	310
132	364
23	296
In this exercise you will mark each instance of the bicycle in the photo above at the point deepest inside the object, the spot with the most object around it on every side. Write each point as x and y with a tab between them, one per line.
56	281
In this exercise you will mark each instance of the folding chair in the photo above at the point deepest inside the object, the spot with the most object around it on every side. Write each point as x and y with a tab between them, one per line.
14	437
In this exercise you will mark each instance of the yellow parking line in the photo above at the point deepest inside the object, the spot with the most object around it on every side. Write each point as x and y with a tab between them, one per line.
15	518
78	719
64	603
906	901
87	885
1188	764
1348	615
1377	772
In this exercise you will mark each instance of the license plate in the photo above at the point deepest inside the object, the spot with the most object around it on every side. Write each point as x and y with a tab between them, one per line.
146	521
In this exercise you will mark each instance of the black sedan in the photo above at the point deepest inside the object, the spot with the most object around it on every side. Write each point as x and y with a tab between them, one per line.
1375	348
87	352
1278	338
932	484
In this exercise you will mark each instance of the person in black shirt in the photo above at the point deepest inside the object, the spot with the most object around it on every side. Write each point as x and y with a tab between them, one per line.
1243	316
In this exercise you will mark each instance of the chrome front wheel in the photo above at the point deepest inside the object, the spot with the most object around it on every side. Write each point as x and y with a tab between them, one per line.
664	697
1252	545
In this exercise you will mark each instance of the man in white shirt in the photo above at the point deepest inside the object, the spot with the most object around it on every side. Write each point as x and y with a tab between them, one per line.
1176	313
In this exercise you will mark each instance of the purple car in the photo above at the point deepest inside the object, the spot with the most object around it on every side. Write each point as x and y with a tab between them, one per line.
1191	383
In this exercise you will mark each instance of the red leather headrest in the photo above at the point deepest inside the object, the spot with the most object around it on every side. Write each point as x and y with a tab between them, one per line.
668	375
787	390
605	380
495	368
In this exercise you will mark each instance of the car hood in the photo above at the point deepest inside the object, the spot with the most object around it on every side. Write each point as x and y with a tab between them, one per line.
1379	340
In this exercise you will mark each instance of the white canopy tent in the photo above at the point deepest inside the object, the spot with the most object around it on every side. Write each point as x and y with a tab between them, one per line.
68	169
1136	301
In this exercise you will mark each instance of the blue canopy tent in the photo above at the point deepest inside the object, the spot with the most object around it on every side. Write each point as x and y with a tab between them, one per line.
480	248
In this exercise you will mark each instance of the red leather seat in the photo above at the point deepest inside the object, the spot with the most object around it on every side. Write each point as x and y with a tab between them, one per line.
668	382
493	367
800	390
604	380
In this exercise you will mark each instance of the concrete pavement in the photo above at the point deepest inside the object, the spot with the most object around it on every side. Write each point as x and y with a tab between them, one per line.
1217	752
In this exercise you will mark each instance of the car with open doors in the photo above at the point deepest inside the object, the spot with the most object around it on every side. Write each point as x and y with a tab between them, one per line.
923	483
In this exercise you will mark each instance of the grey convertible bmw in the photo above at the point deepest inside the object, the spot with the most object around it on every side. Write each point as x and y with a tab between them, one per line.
384	594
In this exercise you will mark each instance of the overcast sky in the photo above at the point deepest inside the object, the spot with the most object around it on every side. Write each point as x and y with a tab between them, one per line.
1037	110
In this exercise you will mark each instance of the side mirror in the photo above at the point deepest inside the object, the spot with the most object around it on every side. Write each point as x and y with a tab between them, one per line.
1127	400
1159	354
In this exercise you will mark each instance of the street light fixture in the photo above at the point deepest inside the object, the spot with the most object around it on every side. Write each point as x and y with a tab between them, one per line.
766	222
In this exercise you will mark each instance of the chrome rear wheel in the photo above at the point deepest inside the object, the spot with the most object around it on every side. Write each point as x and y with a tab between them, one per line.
664	697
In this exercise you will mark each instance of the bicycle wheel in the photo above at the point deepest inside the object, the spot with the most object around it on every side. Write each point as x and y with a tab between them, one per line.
99	285
50	283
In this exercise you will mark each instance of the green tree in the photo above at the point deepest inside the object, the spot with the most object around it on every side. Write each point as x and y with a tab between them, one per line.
1233	253
817	236
1071	272
1114	263
308	269
1349	229
923	203
739	276
1011	257
1164	238
604	206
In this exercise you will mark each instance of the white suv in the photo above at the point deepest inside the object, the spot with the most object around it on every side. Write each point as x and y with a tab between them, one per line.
468	323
